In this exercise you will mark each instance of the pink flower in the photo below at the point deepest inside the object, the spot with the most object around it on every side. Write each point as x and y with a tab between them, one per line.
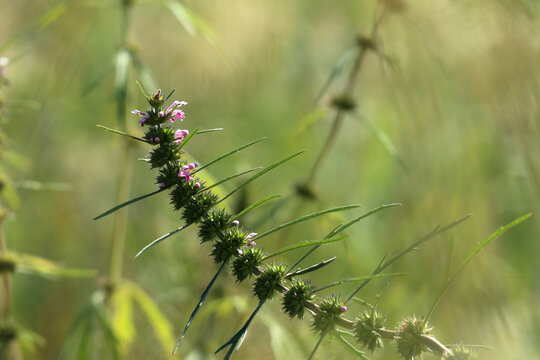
250	236
185	172
162	185
197	185
180	135
251	243
235	223
343	308
176	114
144	116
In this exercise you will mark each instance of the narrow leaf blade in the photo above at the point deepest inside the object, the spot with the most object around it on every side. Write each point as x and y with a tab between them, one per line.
306	218
160	239
221	157
118	207
261	173
304	244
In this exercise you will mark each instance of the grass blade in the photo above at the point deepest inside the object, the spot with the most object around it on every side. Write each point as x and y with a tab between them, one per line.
360	278
311	268
304	244
317	345
475	252
160	239
232	177
199	305
118	207
305	218
336	70
253	206
261	173
228	154
384	264
114	131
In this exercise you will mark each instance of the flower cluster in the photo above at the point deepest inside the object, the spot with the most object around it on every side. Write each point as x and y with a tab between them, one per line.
231	244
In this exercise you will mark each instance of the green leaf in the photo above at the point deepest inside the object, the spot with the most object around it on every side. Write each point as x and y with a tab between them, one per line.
209	131
188	138
236	341
159	323
359	354
43	186
336	70
118	132
122	62
253	206
97	304
305	218
118	207
341	228
122	317
363	216
199	305
309	120
385	141
310	268
360	278
261	173
160	239
232	152
304	244
384	264
30	264
475	252
231	177
323	335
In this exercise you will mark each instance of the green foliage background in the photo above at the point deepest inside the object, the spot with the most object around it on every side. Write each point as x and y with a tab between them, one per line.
459	102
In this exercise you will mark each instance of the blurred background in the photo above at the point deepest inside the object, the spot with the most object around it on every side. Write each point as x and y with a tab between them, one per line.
446	123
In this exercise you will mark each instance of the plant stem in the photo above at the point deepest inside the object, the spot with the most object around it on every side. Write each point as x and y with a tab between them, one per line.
6	294
126	170
340	113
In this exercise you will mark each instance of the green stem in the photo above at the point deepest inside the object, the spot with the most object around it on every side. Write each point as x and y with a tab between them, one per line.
340	113
124	183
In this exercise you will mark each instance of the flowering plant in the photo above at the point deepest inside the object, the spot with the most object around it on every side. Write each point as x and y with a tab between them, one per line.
232	244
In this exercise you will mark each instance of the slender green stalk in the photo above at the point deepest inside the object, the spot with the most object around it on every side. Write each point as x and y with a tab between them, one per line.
6	296
340	112
126	170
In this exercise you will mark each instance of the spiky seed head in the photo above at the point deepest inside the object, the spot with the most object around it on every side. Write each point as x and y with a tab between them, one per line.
295	299
408	337
199	205
247	263
265	284
164	154
227	245
329	312
461	353
213	224
367	329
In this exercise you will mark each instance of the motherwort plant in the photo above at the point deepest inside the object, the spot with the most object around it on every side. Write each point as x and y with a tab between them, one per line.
238	247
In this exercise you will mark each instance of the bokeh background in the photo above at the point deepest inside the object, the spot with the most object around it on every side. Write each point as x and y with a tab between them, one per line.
453	94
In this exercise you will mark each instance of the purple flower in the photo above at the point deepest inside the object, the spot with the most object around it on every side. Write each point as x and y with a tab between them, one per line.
144	116
343	308
185	172
251	243
176	114
235	223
